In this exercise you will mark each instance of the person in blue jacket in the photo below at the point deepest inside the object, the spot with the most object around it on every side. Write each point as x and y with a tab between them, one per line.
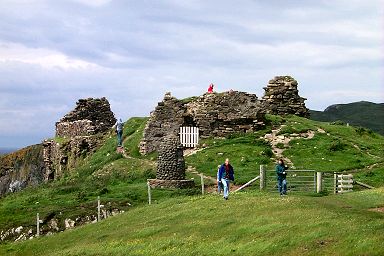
226	175
281	177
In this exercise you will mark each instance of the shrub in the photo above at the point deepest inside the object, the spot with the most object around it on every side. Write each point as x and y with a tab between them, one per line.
280	145
362	131
337	146
267	152
337	122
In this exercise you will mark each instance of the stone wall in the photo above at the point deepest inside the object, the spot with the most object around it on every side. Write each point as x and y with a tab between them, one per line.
220	114
166	119
216	114
63	156
170	165
282	97
89	117
76	128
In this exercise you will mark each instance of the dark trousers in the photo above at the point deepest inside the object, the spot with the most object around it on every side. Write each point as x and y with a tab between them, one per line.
119	138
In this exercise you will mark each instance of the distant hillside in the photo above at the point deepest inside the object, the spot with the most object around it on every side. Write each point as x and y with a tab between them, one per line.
363	113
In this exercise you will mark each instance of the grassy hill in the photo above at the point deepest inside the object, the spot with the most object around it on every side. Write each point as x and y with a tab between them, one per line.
250	223
366	114
182	220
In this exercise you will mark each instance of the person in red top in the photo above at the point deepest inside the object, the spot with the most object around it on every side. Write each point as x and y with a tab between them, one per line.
210	88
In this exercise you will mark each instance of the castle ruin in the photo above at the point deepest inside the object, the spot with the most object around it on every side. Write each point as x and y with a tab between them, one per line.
221	114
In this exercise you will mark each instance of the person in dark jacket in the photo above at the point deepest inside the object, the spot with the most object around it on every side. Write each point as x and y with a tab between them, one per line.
119	131
226	175
281	177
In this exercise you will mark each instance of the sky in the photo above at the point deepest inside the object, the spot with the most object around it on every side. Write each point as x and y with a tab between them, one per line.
53	53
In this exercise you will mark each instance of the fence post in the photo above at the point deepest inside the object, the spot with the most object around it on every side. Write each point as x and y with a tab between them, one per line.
202	184
37	225
319	182
263	178
149	194
98	208
334	183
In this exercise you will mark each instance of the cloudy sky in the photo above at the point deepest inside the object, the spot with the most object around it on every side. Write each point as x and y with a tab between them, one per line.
55	52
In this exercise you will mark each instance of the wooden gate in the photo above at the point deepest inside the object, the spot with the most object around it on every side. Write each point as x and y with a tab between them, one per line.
344	183
189	136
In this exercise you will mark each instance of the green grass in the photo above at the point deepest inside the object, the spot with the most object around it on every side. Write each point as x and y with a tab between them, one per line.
254	221
340	148
246	153
247	224
118	181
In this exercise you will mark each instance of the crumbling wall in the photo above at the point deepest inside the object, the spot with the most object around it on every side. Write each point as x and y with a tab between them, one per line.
216	114
63	156
282	97
90	116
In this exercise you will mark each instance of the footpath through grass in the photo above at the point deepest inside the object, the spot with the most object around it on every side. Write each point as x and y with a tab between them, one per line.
247	224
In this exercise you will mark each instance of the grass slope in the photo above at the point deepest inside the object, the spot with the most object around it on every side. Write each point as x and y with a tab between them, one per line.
247	224
120	183
363	113
335	148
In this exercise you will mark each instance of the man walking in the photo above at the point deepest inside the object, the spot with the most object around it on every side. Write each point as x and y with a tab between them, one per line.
226	175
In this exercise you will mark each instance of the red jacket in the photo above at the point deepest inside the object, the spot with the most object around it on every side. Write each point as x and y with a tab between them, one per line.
210	88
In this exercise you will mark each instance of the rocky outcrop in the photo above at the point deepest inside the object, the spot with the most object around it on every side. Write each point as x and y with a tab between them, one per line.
216	114
90	116
21	168
282	97
54	224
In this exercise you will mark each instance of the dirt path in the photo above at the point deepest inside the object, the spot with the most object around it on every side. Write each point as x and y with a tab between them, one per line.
280	142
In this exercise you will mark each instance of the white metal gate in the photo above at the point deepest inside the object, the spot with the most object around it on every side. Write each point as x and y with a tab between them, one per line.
189	136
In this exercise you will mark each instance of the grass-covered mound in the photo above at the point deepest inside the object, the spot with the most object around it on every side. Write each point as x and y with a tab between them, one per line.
249	223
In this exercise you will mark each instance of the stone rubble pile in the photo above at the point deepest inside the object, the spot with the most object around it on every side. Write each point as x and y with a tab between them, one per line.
282	97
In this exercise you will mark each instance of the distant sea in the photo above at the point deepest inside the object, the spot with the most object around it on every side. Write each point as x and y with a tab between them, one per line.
4	151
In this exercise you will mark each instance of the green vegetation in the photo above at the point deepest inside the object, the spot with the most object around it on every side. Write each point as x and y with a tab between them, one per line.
179	222
366	114
120	182
334	147
246	224
246	154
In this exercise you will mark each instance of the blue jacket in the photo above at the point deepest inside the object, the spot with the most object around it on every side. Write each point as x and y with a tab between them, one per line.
221	174
279	171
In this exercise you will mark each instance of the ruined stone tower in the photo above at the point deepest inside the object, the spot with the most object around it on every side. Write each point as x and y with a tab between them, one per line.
282	97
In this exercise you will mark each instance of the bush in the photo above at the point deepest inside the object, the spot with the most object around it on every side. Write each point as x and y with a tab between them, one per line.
337	146
362	131
280	145
337	122
267	152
